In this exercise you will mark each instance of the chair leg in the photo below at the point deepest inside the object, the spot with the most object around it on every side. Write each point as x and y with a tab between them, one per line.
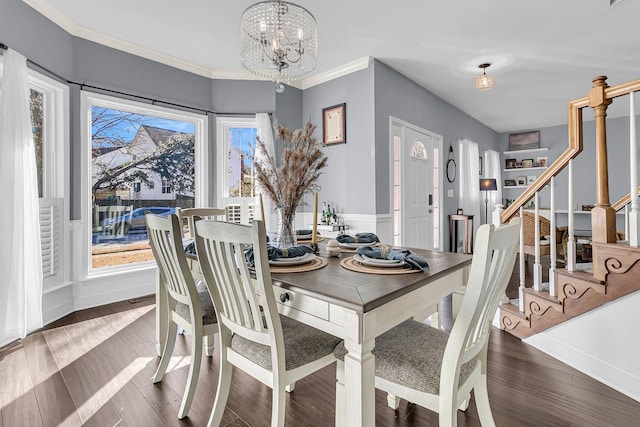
290	387
224	381
277	406
482	402
194	370
447	412
170	343
208	345
340	395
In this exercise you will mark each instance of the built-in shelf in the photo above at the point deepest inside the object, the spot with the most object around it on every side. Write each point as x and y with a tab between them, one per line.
506	187
532	150
523	169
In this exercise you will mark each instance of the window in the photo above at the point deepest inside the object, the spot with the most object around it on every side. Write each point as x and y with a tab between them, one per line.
140	159
236	146
166	186
48	105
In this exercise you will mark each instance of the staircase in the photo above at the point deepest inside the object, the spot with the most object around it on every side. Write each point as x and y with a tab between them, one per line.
616	270
578	292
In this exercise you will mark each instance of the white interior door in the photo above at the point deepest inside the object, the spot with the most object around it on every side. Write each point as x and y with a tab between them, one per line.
416	184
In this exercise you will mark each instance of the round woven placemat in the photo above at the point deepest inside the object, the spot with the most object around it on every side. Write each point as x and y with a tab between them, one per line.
316	264
351	264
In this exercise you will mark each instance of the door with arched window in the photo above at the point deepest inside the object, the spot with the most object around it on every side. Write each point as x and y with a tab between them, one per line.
416	181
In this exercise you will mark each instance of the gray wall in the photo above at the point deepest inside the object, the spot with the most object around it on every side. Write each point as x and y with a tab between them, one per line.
348	182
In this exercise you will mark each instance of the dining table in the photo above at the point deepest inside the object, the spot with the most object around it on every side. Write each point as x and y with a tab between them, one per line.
358	307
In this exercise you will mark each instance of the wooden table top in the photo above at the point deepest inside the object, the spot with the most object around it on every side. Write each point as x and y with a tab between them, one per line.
363	292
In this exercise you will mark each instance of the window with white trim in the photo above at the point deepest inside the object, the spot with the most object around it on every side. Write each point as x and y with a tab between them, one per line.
236	143
139	159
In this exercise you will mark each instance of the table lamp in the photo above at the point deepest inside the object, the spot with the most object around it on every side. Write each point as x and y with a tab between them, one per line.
487	184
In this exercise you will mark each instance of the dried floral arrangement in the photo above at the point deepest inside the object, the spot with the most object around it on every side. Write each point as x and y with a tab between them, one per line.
302	160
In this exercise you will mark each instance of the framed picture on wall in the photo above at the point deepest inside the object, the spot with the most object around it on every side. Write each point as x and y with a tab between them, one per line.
334	124
524	141
510	163
509	182
521	181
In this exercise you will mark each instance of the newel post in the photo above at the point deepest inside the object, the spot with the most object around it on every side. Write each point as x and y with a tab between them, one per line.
603	217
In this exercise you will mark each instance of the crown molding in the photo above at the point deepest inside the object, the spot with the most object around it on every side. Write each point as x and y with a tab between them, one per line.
71	27
343	70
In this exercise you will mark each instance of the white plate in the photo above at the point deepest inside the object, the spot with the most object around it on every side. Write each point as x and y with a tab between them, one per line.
303	259
371	262
358	245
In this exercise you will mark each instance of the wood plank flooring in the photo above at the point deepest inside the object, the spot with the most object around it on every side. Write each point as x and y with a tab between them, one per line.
94	368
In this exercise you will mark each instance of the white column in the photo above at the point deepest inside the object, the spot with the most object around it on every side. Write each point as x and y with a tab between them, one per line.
553	255
571	243
522	255
634	216
537	266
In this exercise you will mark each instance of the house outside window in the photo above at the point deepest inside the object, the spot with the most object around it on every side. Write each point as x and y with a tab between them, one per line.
166	186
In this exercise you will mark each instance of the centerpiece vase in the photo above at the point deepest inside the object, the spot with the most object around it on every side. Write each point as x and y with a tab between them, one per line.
286	235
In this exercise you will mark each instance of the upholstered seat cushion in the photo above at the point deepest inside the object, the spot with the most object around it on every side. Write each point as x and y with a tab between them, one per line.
411	355
208	313
302	343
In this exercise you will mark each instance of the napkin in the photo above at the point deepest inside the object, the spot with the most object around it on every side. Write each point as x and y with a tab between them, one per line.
414	260
275	253
358	238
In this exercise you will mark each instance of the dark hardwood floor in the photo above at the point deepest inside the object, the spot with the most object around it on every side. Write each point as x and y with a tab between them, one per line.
94	368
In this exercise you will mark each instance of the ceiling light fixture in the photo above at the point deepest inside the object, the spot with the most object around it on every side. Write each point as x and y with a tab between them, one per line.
485	81
279	41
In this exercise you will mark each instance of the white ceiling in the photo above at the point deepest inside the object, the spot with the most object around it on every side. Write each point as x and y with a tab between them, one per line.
544	53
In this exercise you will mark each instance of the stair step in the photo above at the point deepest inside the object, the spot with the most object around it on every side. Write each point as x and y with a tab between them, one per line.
538	302
579	275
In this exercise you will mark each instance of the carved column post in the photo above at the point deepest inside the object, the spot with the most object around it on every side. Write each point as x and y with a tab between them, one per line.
603	217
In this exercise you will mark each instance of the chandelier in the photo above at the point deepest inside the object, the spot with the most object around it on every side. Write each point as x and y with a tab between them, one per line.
484	81
279	41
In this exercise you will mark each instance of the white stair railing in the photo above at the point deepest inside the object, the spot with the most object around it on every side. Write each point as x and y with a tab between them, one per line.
571	243
521	260
634	215
553	255
537	266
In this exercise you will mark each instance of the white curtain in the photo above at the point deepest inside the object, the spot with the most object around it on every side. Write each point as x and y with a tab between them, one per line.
470	181
265	132
492	170
20	256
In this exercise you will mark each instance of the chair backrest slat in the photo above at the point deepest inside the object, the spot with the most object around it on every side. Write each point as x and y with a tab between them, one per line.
165	239
245	305
491	268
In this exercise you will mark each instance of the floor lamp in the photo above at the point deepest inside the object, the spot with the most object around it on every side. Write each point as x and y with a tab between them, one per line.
487	184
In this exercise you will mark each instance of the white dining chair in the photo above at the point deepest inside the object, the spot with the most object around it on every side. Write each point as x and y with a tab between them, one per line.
191	214
189	306
274	349
437	370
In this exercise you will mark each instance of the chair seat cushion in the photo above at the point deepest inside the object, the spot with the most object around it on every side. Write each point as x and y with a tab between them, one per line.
303	344
411	355
208	313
